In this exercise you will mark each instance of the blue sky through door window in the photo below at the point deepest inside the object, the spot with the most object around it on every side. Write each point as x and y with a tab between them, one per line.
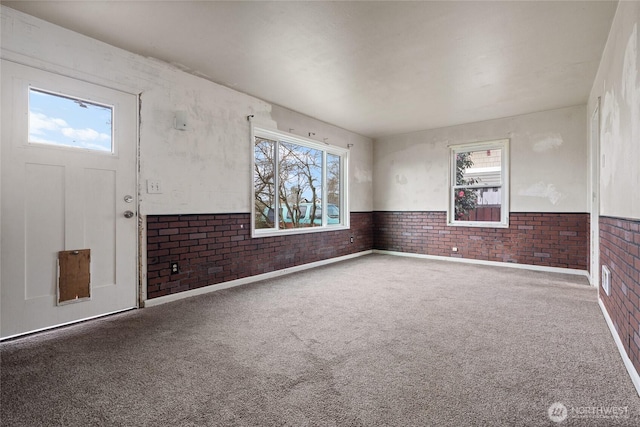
69	122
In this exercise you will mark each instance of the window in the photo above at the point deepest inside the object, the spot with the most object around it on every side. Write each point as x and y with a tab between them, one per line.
299	185
479	189
64	121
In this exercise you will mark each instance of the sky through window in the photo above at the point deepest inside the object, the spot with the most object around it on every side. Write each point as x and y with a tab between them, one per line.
69	122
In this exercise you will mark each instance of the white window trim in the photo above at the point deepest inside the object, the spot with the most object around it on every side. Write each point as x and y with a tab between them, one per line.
278	135
501	144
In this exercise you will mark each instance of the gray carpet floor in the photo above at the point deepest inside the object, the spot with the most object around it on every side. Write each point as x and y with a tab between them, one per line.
374	341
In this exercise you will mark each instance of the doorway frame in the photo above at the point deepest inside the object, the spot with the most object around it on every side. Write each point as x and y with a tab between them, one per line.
594	194
140	249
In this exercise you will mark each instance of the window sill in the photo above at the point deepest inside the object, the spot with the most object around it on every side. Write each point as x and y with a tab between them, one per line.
485	224
292	231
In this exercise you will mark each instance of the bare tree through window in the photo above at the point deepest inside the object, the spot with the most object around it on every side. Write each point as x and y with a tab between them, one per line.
292	182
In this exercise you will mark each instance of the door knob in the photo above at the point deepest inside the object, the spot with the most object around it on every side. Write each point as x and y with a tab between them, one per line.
128	214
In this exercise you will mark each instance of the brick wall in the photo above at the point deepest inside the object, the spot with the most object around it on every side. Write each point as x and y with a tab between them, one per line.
620	251
217	248
545	239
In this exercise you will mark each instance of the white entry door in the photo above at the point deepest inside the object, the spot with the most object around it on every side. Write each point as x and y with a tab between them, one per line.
68	179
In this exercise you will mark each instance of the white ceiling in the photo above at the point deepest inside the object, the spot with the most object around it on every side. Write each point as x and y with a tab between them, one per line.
376	68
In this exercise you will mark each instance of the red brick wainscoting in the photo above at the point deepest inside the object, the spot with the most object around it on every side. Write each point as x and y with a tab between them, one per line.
620	252
217	248
545	239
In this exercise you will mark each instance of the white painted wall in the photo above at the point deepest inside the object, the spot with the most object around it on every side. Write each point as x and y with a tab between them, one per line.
360	152
548	163
205	169
618	86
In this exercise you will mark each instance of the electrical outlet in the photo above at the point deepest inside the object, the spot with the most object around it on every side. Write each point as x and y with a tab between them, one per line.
454	249
606	279
351	239
154	186
175	269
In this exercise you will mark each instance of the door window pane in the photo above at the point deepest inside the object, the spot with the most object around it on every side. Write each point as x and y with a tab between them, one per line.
69	122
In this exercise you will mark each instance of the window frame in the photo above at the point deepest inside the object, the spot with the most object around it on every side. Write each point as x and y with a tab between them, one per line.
454	149
280	136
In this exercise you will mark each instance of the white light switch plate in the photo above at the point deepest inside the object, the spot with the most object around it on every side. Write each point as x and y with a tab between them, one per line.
154	186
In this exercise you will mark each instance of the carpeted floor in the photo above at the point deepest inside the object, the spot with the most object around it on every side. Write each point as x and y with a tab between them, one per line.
374	341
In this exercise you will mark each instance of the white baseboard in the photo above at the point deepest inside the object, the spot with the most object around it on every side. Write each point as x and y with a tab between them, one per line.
635	378
246	280
573	271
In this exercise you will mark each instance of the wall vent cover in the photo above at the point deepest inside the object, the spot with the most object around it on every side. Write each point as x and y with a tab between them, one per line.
606	279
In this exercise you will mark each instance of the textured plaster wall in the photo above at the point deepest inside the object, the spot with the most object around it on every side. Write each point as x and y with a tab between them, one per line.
548	163
617	89
360	152
618	86
205	169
